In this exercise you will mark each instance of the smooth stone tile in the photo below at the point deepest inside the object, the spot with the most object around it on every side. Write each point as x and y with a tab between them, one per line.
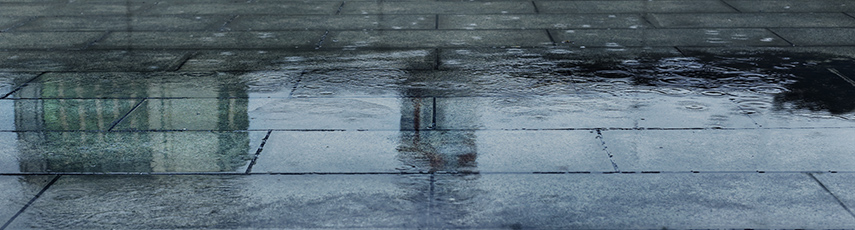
801	107
354	83
47	40
758	20
817	36
689	111
24	10
189	114
635	201
791	6
7	22
7	115
161	84
236	60
559	7
210	40
9	81
37	152
440	39
544	60
540	21
732	150
244	8
840	184
532	113
833	52
69	114
337	152
619	38
124	23
95	9
333	22
91	60
16	191
259	201
540	151
499	7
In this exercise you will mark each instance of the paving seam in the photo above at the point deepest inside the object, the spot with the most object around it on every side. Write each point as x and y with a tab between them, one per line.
389	48
296	84
646	17
731	6
22	85
30	202
181	61
779	36
433	129
646	172
258	152
115	123
225	24
551	39
19	23
849	14
832	194
98	39
606	150
536	11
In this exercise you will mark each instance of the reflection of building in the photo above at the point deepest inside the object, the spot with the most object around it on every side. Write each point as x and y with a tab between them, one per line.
84	146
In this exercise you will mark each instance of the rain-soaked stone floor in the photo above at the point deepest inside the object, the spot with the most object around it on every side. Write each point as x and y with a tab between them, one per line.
421	114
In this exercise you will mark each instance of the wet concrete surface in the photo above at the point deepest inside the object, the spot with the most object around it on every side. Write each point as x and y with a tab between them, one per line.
426	115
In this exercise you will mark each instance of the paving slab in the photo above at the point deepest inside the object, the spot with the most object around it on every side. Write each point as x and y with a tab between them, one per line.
100	8
161	85
431	7
839	184
125	23
731	150
333	22
91	60
791	6
540	21
144	152
751	20
23	10
17	191
429	151
638	201
210	40
324	201
7	22
619	38
436	39
262	60
47	40
817	36
246	8
564	7
354	83
10	81
68	114
553	60
829	52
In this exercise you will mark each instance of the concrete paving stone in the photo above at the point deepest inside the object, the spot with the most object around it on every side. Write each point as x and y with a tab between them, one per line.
354	83
800	105
46	152
435	39
91	60
209	40
22	10
840	184
8	22
258	201
424	151
245	8
839	51
264	114
543	60
17	191
620	38
333	22
540	21
124	23
791	6
732	150
161	85
817	36
10	81
636	6
47	40
432	7
67	114
637	201
102	8
748	20
260	60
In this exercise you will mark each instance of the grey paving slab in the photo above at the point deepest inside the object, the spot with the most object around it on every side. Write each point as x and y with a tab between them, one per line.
24	10
101	8
798	107
17	191
791	6
260	60
619	38
840	184
47	40
246	8
125	23
638	201
8	22
427	151
160	85
793	51
47	152
731	150
638	6
10	81
263	114
543	60
329	201
91	60
333	22
68	114
353	83
209	40
817	36
7	115
540	21
498	7
435	39
748	20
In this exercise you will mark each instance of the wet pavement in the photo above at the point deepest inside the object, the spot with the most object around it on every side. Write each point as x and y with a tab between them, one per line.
427	114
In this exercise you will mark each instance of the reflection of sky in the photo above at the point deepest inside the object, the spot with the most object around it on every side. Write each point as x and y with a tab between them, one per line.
7	115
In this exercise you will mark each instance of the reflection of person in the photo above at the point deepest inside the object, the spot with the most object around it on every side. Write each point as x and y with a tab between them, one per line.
425	148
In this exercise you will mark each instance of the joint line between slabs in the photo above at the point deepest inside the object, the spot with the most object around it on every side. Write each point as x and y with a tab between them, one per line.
536	11
22	85
844	77
56	178
297	84
229	21
338	12
258	152
116	123
832	194
779	36
606	150
731	6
